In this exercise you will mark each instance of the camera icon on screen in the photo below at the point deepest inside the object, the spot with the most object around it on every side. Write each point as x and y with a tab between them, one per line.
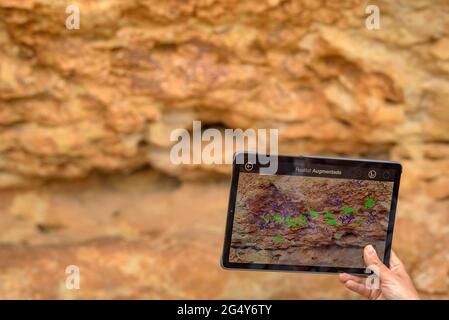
249	166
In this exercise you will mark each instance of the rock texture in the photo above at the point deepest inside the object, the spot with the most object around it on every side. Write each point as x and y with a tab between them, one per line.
327	223
100	102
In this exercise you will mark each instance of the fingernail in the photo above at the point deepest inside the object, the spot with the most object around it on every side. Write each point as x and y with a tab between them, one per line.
370	250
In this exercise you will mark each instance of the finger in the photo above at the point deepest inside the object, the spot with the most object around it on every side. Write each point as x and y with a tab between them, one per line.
372	260
359	288
344	277
394	260
398	267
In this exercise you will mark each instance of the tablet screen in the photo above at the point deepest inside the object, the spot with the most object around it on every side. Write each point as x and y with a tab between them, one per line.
311	217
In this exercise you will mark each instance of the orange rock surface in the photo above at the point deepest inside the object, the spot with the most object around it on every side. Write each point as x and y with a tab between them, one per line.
86	115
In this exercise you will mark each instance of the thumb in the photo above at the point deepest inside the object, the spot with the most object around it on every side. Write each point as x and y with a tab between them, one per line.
373	261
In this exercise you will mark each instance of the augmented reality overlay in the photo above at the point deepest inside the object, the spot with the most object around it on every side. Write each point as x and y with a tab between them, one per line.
302	220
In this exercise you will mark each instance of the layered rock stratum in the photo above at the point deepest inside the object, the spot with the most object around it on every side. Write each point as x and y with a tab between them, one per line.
86	115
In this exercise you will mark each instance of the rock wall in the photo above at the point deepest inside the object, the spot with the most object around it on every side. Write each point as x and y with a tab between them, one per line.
82	109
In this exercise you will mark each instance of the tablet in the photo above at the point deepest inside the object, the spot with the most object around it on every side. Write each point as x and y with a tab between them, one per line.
312	214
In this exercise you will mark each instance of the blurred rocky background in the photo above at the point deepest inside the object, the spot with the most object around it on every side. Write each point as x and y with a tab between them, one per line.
85	118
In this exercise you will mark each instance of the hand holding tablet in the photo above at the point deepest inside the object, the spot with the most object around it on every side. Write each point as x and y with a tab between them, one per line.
313	214
393	283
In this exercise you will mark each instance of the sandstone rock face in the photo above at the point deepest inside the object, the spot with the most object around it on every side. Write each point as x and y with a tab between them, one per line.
87	107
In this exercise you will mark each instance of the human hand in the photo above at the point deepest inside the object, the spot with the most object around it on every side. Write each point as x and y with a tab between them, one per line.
395	283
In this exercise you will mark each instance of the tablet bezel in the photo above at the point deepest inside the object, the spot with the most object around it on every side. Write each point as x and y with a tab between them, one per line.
395	167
